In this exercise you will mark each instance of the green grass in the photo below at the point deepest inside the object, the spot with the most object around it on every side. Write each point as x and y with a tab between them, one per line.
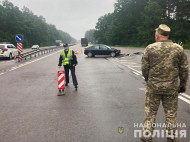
187	46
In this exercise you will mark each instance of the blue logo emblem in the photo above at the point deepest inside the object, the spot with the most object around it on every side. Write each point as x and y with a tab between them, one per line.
19	38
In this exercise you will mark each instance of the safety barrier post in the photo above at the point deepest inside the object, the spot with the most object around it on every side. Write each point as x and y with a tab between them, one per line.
61	82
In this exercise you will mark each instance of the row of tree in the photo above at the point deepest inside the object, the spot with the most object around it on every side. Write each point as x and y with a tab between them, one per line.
34	28
133	22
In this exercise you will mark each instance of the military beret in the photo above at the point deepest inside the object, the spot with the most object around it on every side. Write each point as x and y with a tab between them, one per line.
163	30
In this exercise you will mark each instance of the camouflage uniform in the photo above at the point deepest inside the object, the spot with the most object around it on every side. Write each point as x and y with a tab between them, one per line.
162	63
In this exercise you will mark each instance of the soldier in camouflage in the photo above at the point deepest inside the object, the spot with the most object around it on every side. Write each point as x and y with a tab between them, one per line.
162	63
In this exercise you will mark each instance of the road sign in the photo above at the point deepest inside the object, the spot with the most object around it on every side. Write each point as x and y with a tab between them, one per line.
19	38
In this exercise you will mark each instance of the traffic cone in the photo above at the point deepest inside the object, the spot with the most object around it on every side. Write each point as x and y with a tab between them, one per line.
76	52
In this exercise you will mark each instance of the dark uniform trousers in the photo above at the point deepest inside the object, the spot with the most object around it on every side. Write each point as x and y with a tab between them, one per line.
67	67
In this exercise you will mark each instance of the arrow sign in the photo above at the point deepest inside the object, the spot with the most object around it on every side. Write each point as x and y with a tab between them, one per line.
19	38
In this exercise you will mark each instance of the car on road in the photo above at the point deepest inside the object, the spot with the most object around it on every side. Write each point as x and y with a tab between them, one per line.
101	49
34	47
8	51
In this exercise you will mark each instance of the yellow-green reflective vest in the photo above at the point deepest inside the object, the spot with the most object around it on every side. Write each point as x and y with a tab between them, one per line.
67	58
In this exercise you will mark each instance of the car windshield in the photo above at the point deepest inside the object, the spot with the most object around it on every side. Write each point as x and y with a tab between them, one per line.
2	46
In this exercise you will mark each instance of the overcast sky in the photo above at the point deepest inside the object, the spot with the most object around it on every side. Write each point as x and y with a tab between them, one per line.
72	16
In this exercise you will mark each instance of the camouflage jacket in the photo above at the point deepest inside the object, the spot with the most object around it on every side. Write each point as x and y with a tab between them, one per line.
162	63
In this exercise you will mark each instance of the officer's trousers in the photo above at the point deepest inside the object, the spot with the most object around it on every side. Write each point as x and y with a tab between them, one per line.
67	67
170	105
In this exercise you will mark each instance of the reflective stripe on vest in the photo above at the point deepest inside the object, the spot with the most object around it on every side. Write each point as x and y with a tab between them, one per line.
67	58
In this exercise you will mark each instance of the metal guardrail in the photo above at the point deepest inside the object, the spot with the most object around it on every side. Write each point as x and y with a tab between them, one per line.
39	52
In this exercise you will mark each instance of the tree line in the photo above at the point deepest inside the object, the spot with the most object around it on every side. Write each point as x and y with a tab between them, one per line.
34	28
133	22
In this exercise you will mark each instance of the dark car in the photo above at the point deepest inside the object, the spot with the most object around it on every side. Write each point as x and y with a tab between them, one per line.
101	49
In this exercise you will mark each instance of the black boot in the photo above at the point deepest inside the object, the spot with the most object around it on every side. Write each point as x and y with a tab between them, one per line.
76	87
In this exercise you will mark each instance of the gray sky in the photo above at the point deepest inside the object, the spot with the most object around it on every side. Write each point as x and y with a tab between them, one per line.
72	16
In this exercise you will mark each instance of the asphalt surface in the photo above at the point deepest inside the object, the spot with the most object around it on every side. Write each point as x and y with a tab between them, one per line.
111	95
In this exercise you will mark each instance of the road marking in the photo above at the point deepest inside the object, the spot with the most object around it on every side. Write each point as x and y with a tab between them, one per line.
135	66
2	73
142	89
123	61
184	99
134	69
130	67
136	73
185	95
27	63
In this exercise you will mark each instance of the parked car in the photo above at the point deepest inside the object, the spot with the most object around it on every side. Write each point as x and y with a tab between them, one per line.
101	49
35	47
8	51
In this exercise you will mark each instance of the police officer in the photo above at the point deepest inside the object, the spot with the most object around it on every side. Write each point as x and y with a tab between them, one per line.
162	63
69	61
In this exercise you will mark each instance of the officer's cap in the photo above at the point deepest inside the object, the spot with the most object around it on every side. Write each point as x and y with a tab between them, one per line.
66	45
163	30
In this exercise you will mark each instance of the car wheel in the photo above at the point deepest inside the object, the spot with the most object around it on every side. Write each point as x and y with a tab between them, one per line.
10	56
112	54
89	54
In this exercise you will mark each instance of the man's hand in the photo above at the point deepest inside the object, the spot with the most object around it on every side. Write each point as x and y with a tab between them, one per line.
181	89
74	65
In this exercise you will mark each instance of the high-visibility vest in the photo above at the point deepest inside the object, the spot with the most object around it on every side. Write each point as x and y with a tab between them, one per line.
67	58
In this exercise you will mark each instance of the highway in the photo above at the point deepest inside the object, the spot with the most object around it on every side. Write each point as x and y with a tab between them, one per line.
111	95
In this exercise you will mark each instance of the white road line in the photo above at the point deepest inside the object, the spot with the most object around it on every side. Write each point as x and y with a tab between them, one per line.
13	68
2	73
136	73
134	69
135	66
123	61
27	63
130	67
142	89
131	63
184	99
185	95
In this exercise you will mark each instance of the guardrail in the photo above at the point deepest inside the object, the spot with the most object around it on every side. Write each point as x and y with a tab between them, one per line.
39	52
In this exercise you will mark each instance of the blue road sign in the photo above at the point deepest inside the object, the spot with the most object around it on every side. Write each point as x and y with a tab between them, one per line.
19	38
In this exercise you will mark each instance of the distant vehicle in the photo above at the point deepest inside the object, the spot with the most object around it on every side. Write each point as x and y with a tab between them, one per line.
84	42
58	43
35	47
101	49
8	51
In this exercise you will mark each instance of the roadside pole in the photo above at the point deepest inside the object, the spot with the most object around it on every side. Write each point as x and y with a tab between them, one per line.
19	39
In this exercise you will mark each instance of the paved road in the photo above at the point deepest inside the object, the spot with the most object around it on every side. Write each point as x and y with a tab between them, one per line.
6	64
110	95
